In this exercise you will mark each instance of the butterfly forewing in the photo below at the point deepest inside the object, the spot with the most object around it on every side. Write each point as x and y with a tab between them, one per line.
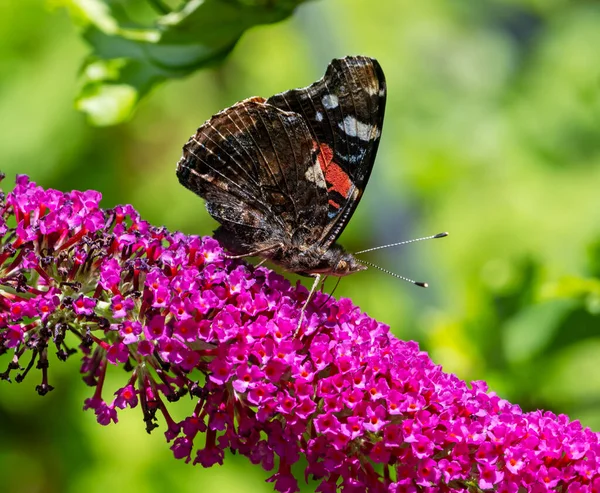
344	112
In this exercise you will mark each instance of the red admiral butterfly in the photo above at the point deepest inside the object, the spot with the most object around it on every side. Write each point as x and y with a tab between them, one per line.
284	175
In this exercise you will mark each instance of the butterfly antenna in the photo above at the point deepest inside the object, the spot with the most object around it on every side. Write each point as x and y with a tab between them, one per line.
418	283
432	237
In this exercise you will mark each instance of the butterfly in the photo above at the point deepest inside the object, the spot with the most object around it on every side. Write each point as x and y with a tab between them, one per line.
284	175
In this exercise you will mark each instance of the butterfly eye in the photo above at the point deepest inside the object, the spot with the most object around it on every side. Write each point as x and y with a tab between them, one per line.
342	265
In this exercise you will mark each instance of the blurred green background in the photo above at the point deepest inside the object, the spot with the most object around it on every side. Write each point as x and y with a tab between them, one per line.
492	133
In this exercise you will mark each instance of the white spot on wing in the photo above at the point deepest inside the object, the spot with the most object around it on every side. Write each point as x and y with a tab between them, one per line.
330	101
371	90
319	116
315	175
364	131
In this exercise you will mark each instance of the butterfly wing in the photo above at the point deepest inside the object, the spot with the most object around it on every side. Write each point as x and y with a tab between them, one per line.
256	166
344	112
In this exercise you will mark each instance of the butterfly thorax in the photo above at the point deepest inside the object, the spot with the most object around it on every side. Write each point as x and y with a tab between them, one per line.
333	261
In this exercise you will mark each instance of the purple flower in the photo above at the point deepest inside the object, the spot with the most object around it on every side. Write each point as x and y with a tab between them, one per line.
110	275
130	331
366	411
12	336
127	396
121	306
84	305
117	353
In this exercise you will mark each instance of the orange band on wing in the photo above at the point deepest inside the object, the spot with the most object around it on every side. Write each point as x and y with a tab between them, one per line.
337	179
325	157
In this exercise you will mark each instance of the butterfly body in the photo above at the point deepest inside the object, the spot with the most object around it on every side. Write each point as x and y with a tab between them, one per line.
294	257
284	175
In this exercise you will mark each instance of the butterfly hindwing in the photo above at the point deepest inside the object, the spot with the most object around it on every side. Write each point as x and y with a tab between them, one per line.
257	168
344	112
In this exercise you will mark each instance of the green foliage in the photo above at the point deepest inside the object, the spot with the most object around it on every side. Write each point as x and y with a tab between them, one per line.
130	57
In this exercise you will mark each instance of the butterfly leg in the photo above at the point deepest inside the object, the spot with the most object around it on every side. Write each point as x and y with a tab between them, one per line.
310	295
261	262
323	283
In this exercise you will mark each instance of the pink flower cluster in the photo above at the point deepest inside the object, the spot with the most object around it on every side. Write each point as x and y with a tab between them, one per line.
366	411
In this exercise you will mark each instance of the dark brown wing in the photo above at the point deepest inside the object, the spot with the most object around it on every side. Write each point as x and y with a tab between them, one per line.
257	168
344	112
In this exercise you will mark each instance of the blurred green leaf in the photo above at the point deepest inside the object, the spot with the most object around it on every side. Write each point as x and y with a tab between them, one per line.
531	331
593	254
129	57
584	290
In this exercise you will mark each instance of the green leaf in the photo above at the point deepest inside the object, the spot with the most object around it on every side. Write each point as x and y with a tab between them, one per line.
534	329
130	57
106	104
